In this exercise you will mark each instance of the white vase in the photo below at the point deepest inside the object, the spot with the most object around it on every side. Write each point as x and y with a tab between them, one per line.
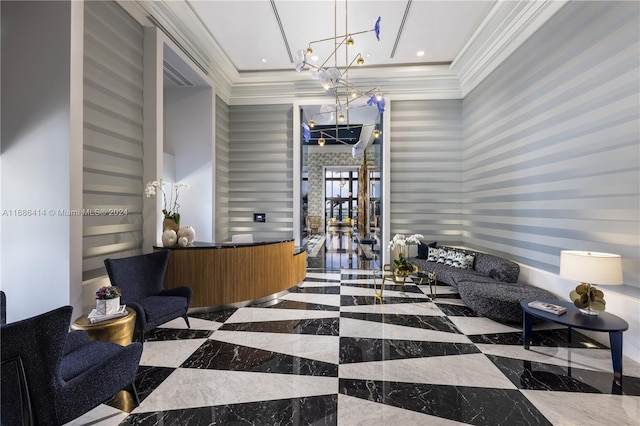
107	306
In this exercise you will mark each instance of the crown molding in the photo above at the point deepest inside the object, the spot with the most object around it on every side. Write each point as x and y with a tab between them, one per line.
508	25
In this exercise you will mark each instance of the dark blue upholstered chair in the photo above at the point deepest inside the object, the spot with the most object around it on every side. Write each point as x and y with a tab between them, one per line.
141	279
50	376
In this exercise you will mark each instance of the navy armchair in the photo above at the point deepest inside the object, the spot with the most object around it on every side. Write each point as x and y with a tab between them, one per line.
50	376
141	279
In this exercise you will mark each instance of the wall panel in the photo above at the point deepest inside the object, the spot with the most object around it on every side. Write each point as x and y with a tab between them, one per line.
221	197
426	152
261	170
112	163
551	155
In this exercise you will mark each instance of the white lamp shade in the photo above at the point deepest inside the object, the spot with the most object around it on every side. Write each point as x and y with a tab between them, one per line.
591	267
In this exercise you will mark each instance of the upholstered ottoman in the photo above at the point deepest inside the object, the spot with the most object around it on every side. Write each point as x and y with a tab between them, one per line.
497	300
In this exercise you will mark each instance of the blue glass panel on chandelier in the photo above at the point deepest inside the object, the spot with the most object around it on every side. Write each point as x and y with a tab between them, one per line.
378	100
377	28
306	132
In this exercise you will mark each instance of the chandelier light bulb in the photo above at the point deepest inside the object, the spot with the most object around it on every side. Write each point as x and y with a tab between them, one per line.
309	50
312	123
341	117
354	93
350	41
321	142
378	96
360	61
376	133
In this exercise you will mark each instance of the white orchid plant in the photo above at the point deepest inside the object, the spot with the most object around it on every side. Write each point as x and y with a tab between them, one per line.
402	242
170	207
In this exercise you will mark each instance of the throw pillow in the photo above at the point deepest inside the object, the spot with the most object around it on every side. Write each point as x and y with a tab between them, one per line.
442	255
458	259
433	254
464	260
423	249
451	254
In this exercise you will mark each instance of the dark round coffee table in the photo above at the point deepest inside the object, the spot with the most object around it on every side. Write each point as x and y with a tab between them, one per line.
573	318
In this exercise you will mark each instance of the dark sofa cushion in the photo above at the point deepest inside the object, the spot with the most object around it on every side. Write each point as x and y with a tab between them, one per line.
423	249
497	267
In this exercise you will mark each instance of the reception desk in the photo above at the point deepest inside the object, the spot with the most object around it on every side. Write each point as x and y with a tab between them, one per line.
230	273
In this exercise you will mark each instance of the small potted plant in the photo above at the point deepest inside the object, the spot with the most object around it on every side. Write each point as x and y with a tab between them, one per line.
402	268
108	300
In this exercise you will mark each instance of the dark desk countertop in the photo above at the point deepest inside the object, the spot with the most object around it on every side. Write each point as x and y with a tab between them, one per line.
227	244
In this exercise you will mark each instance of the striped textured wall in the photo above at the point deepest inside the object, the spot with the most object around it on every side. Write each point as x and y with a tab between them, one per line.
551	151
221	197
112	177
426	151
261	170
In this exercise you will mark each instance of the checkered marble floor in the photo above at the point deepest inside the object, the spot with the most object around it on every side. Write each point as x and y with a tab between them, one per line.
330	353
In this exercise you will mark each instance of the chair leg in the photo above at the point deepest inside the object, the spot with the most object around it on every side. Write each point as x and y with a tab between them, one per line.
186	319
134	393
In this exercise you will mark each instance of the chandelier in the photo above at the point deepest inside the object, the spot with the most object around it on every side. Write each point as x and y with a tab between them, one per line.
334	79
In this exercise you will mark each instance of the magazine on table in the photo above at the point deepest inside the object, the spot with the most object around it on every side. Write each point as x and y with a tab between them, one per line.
548	307
95	317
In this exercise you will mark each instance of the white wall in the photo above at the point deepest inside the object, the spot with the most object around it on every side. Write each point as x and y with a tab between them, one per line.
41	151
189	139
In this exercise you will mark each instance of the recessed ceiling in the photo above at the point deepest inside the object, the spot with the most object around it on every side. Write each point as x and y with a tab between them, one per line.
263	35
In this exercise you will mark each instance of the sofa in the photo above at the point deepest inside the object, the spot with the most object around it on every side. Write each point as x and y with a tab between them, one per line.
487	283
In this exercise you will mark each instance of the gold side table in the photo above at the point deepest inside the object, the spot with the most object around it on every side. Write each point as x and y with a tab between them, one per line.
117	330
432	279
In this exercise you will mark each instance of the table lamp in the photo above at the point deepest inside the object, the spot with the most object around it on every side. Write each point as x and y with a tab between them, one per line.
590	268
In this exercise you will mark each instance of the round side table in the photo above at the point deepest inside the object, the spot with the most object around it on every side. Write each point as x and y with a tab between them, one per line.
118	330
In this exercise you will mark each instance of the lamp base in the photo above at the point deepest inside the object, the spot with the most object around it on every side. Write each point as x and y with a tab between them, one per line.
588	298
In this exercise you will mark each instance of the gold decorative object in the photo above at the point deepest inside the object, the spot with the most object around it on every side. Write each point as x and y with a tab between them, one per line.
586	296
590	268
118	330
171	224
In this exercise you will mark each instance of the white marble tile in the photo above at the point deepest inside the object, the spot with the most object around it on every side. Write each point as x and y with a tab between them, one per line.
588	359
481	325
457	302
375	330
439	289
196	324
335	276
313	284
456	370
356	411
170	353
420	308
359	291
321	348
192	387
585	409
322	299
274	314
369	281
102	415
357	271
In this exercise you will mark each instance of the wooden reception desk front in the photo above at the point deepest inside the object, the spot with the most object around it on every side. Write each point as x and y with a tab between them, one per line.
228	273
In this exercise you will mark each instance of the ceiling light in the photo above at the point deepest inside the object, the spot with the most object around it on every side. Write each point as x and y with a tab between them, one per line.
334	77
420	53
263	60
